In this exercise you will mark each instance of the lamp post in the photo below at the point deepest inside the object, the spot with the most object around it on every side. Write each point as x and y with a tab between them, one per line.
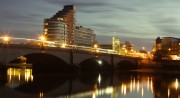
63	45
43	39
95	47
5	40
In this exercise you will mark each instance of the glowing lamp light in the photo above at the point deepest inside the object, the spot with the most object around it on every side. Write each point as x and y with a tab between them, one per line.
169	49
63	45
95	46
6	38
126	51
176	84
42	38
99	62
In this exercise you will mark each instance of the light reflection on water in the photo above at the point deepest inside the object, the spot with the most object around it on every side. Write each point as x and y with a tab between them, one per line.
21	83
18	76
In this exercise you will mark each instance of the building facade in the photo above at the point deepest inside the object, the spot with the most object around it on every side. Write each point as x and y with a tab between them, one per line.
167	46
67	16
115	44
83	36
129	46
55	30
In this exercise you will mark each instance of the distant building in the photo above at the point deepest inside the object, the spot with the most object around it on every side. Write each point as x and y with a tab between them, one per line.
167	46
158	45
115	44
55	30
172	45
67	16
129	46
84	36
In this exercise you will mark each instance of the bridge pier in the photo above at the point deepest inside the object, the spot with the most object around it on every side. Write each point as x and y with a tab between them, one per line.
71	57
112	59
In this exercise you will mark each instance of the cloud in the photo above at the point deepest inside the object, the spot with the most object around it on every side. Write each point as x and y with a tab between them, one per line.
89	11
81	3
129	9
168	26
84	6
134	20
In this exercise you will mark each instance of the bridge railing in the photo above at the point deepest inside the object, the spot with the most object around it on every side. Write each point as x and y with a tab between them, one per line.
43	43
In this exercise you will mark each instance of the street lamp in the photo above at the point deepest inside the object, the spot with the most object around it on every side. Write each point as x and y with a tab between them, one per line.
63	45
5	39
95	47
43	39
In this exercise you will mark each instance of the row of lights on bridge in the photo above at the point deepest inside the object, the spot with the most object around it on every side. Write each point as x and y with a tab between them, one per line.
6	38
42	38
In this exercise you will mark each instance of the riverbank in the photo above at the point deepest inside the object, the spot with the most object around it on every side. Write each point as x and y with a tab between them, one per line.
168	64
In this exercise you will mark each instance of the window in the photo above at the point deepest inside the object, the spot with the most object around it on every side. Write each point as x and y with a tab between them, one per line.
46	24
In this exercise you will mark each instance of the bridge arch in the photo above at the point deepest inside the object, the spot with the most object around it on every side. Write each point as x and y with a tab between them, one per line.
45	62
95	64
126	64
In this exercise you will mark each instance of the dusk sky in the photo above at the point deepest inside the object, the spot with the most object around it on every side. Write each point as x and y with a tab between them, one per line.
138	21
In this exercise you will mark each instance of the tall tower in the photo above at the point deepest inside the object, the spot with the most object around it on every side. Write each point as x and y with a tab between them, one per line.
115	44
67	14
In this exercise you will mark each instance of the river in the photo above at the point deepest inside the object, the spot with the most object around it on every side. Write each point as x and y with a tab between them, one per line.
149	83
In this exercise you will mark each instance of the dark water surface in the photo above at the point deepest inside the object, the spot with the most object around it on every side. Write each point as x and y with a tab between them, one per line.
21	83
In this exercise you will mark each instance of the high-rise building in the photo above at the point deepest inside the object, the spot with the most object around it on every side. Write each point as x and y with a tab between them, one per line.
67	16
61	28
55	30
84	36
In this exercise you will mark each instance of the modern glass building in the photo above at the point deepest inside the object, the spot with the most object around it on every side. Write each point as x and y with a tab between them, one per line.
55	30
60	27
84	36
67	14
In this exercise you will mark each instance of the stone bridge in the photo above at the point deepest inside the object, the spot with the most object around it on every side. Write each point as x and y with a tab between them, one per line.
55	58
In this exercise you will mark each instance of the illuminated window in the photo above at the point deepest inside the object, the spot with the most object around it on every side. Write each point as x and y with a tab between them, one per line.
46	23
60	18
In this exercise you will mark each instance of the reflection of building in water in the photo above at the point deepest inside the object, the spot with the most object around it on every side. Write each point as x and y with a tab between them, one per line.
120	86
173	89
17	76
123	88
134	86
166	87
